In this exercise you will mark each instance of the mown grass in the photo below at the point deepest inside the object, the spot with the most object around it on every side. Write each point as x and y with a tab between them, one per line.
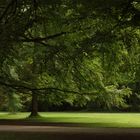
125	120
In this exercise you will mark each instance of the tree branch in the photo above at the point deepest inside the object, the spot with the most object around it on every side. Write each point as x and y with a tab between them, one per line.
53	89
39	39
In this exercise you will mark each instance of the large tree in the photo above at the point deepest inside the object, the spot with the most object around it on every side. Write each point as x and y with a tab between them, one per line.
74	47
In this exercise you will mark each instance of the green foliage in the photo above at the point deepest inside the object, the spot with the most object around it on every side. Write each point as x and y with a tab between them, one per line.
86	47
3	100
14	103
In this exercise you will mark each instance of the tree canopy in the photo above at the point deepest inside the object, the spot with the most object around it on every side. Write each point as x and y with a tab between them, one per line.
87	49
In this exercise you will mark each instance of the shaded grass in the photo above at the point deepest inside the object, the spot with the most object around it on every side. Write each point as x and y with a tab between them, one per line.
63	136
125	120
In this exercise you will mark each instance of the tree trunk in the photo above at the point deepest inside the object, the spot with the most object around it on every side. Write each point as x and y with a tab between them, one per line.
34	107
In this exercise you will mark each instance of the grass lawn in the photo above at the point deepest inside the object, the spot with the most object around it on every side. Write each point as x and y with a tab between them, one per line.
126	120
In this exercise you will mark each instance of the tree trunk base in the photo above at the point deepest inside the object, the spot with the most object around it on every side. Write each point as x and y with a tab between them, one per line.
32	115
34	107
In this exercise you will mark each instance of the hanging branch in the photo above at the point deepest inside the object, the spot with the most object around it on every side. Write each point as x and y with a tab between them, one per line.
43	89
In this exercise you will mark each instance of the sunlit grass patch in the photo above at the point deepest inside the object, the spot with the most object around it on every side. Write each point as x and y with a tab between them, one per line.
86	119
